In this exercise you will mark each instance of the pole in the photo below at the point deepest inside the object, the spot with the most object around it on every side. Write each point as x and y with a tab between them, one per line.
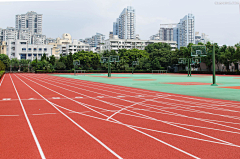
188	68
213	63
108	68
132	68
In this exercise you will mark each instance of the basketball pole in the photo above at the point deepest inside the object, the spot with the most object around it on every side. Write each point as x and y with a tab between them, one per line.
213	63
188	68
109	67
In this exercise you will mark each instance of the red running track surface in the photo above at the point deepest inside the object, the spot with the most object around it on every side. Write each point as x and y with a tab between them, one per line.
81	119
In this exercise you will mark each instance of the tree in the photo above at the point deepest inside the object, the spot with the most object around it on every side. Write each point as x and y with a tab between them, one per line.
44	57
236	57
52	60
69	62
5	59
2	66
60	66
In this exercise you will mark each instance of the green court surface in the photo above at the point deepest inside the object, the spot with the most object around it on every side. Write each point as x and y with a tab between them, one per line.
197	85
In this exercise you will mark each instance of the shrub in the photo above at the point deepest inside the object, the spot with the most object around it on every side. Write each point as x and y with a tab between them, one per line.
2	66
60	66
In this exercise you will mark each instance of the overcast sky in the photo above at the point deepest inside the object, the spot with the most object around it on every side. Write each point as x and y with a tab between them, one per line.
84	18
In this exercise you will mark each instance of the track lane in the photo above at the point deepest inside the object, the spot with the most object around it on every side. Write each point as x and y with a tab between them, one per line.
213	101
59	136
127	142
15	136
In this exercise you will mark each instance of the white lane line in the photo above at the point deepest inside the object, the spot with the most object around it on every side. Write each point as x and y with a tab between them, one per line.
29	124
136	112
78	97
9	115
2	80
31	99
6	99
114	120
100	142
56	98
45	114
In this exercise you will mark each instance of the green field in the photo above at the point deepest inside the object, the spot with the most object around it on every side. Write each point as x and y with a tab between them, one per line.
158	82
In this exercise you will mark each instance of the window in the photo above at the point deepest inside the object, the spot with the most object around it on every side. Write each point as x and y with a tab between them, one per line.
29	49
24	49
40	49
23	42
35	49
45	49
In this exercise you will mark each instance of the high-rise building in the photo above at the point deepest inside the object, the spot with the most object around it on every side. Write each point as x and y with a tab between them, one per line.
184	33
125	26
165	33
30	20
25	34
9	34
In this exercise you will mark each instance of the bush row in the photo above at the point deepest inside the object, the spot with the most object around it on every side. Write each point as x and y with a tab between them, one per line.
1	74
95	71
210	72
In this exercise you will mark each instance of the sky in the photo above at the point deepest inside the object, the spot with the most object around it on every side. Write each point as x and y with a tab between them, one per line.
84	18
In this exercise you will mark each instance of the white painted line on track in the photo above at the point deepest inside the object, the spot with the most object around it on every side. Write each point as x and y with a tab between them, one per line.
56	98
6	99
117	121
78	97
101	143
2	80
144	115
9	115
29	123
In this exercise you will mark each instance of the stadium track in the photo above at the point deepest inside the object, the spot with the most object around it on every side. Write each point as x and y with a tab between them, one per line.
55	117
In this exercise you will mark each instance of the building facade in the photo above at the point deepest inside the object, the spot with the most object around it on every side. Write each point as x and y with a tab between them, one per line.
165	33
31	20
125	25
116	44
185	31
20	49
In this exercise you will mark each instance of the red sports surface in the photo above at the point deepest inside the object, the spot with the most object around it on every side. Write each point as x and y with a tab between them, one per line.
44	116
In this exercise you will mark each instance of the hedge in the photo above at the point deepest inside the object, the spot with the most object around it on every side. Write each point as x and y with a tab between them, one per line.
95	71
210	72
1	74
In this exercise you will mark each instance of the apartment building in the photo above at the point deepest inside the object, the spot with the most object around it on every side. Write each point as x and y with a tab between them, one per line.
185	31
125	25
31	20
38	39
20	49
165	33
116	44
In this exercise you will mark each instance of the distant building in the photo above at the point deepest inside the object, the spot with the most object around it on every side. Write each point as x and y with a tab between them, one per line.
95	40
184	33
20	49
9	34
116	44
110	34
165	33
125	25
201	38
30	20
39	39
25	34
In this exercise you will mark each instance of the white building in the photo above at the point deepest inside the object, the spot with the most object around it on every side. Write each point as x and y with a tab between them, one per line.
116	44
65	45
9	34
25	34
125	26
30	20
38	39
95	40
203	38
20	49
165	33
184	33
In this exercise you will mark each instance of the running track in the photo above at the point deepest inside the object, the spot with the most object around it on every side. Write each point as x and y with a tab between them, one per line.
43	116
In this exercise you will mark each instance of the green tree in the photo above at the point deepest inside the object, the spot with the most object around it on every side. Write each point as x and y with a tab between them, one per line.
2	66
60	66
52	60
5	59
